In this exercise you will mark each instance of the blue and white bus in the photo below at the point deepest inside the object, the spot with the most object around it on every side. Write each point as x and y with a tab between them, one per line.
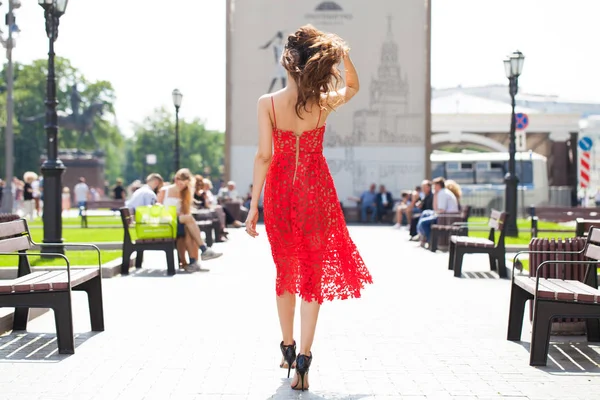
481	177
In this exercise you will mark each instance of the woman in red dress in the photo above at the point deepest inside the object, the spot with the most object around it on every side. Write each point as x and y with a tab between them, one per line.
313	252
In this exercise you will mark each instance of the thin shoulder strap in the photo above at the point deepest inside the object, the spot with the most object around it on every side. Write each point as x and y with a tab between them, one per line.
319	120
274	117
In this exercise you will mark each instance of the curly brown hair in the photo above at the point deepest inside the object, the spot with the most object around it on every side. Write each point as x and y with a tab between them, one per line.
311	57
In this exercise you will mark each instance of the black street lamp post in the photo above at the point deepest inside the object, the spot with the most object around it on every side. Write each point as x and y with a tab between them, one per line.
52	168
513	66
177	98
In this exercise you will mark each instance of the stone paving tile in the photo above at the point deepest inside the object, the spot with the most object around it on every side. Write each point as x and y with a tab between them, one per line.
418	333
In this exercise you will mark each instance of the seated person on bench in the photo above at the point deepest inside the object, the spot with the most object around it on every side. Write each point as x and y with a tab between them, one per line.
444	201
426	203
180	195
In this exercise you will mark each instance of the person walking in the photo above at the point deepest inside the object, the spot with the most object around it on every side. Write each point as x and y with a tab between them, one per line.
313	253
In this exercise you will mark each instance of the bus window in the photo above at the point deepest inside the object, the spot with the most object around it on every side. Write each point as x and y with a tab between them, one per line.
490	173
524	170
462	173
437	169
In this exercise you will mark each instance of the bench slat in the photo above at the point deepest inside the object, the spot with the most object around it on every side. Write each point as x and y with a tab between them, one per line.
6	285
584	293
558	289
528	284
593	251
595	236
78	276
12	228
44	281
15	244
37	282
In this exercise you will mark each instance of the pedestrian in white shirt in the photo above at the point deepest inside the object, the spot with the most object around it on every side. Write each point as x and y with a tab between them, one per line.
444	201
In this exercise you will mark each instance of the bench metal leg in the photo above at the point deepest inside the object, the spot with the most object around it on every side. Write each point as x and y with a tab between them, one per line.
170	261
126	259
139	259
593	329
93	288
21	317
434	241
540	335
451	251
458	260
493	262
518	299
63	317
501	263
209	236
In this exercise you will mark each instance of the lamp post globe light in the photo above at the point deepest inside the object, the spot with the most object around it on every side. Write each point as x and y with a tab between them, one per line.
177	98
513	66
52	168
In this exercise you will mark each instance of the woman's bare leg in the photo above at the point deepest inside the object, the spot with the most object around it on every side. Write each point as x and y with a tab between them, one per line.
399	216
409	211
286	305
181	247
309	313
191	247
191	228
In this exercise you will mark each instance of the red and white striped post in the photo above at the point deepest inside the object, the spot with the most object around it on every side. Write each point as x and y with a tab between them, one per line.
584	169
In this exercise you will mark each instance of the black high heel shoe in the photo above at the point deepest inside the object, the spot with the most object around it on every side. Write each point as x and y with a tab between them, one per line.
289	355
302	367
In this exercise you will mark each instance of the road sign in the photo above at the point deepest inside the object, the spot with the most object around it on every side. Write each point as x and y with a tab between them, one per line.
151	159
584	169
521	140
585	143
521	121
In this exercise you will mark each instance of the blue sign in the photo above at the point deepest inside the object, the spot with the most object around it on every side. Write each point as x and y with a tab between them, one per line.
521	120
585	143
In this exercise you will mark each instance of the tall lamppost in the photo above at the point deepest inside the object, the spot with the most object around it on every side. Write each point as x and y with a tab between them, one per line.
52	168
9	160
513	65
177	98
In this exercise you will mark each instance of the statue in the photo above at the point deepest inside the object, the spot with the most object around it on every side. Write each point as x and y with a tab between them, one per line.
277	43
75	101
82	123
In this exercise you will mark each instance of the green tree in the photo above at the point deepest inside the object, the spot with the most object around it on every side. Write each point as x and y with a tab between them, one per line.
199	148
29	96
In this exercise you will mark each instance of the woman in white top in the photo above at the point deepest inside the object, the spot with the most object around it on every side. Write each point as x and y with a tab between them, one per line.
179	195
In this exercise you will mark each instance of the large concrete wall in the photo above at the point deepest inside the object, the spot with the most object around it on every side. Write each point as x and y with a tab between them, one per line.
382	135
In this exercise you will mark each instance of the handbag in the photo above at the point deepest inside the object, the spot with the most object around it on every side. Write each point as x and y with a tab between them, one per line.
156	222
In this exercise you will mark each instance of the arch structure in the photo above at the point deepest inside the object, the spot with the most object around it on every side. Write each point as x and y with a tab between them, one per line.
462	137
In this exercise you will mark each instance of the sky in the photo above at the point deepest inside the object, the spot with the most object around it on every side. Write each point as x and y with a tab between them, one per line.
148	48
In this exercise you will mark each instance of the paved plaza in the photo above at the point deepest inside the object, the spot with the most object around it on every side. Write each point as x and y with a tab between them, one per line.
417	333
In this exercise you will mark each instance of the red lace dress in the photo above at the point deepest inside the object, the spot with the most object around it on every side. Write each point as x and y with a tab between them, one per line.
313	252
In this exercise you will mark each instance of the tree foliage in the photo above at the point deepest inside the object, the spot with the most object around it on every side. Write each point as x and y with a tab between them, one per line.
29	96
200	150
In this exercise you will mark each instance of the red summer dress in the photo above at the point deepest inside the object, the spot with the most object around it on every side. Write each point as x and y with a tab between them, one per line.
313	252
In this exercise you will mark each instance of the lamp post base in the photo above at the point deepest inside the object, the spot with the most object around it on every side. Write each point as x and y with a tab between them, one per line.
52	171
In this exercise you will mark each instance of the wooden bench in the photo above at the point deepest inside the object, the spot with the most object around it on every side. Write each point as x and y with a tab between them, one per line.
50	288
448	224
559	214
112	205
555	297
495	249
139	246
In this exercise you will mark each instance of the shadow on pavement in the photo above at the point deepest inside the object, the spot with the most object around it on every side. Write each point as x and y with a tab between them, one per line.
35	347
